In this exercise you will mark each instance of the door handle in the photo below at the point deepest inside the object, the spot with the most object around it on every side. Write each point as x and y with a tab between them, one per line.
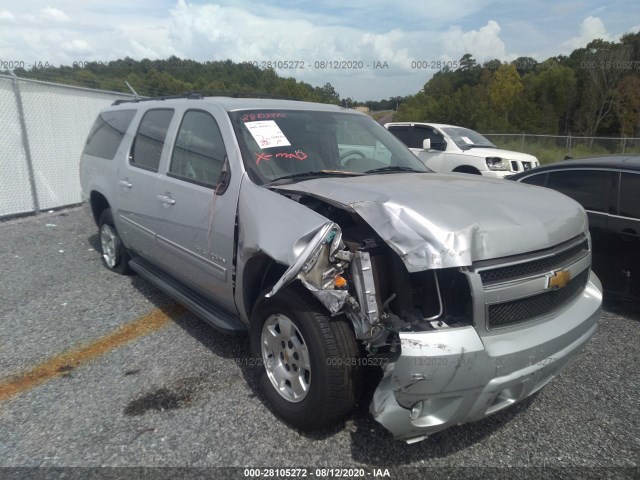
166	199
124	183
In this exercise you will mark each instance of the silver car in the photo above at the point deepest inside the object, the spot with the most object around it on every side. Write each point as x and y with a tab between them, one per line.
317	231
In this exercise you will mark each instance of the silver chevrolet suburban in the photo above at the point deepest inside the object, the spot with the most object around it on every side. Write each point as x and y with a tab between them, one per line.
317	231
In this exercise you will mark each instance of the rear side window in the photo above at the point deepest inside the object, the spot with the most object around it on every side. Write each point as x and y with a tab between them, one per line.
587	187
199	152
539	180
422	132
402	132
107	133
149	142
630	195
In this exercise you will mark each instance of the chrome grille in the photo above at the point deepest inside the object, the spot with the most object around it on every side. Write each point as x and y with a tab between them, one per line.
524	309
534	267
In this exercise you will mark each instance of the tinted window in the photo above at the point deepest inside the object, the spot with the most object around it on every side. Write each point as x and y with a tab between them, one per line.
149	141
539	180
587	187
199	152
402	132
630	195
420	133
107	133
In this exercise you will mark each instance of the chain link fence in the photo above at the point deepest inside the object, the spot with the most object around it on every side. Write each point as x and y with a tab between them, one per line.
551	148
44	127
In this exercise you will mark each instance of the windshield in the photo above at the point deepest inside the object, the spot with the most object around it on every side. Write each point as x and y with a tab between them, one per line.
465	138
298	144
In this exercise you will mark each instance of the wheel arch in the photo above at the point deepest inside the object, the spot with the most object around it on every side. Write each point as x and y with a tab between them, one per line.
99	204
259	272
467	169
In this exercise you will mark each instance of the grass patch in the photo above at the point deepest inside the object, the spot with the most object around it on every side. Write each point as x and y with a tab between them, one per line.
548	151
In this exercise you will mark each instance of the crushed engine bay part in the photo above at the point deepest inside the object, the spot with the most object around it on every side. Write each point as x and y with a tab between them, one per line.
307	258
365	287
333	300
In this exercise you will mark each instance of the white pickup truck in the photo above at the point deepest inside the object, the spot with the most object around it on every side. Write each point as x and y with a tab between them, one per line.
447	148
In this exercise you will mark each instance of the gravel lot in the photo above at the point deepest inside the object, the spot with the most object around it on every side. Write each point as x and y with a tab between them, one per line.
182	395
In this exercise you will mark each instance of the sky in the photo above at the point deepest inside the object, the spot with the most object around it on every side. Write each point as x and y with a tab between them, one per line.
367	50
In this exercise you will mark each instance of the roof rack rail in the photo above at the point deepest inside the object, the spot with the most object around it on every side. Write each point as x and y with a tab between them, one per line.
237	94
190	95
199	94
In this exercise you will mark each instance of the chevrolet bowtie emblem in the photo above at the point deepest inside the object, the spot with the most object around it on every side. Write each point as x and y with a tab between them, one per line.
559	279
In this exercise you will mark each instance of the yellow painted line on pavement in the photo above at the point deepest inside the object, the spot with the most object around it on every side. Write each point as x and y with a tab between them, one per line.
61	364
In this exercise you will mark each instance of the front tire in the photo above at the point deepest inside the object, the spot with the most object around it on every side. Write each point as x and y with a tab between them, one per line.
306	362
114	253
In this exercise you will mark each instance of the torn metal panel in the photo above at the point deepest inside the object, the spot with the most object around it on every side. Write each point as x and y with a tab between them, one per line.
271	224
307	258
333	300
440	221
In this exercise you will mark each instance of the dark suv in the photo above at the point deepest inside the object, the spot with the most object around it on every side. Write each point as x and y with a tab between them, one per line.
609	190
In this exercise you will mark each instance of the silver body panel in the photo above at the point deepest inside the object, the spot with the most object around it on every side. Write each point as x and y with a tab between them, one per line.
208	241
460	375
439	220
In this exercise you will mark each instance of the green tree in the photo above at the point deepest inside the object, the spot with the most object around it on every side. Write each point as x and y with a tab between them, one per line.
505	88
628	105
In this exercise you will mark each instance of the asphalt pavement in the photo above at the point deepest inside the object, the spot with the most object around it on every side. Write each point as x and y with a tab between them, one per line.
180	394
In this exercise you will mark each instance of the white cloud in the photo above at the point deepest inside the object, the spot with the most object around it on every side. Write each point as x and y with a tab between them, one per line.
591	28
326	30
54	14
484	43
6	16
77	46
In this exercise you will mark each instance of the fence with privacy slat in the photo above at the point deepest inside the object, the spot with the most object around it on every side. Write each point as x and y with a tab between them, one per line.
43	129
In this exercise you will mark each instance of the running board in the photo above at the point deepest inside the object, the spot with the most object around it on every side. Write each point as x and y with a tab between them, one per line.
203	308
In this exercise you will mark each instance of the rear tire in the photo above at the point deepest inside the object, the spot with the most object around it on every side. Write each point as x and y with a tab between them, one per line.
307	364
114	253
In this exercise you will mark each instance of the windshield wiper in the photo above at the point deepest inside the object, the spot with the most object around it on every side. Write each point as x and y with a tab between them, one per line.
318	173
395	168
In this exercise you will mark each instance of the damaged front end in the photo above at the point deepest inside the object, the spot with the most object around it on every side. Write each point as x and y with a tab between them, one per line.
444	364
365	280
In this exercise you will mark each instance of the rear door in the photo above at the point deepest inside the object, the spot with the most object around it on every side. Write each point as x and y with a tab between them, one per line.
593	190
136	183
196	209
625	238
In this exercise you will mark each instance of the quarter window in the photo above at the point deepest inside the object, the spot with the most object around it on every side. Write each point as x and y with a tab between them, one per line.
630	195
199	152
587	187
539	179
107	133
402	132
149	142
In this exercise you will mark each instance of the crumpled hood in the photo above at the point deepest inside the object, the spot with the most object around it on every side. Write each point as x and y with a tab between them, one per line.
498	152
440	221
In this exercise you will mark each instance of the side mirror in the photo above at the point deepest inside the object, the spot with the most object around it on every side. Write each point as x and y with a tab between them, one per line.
426	144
